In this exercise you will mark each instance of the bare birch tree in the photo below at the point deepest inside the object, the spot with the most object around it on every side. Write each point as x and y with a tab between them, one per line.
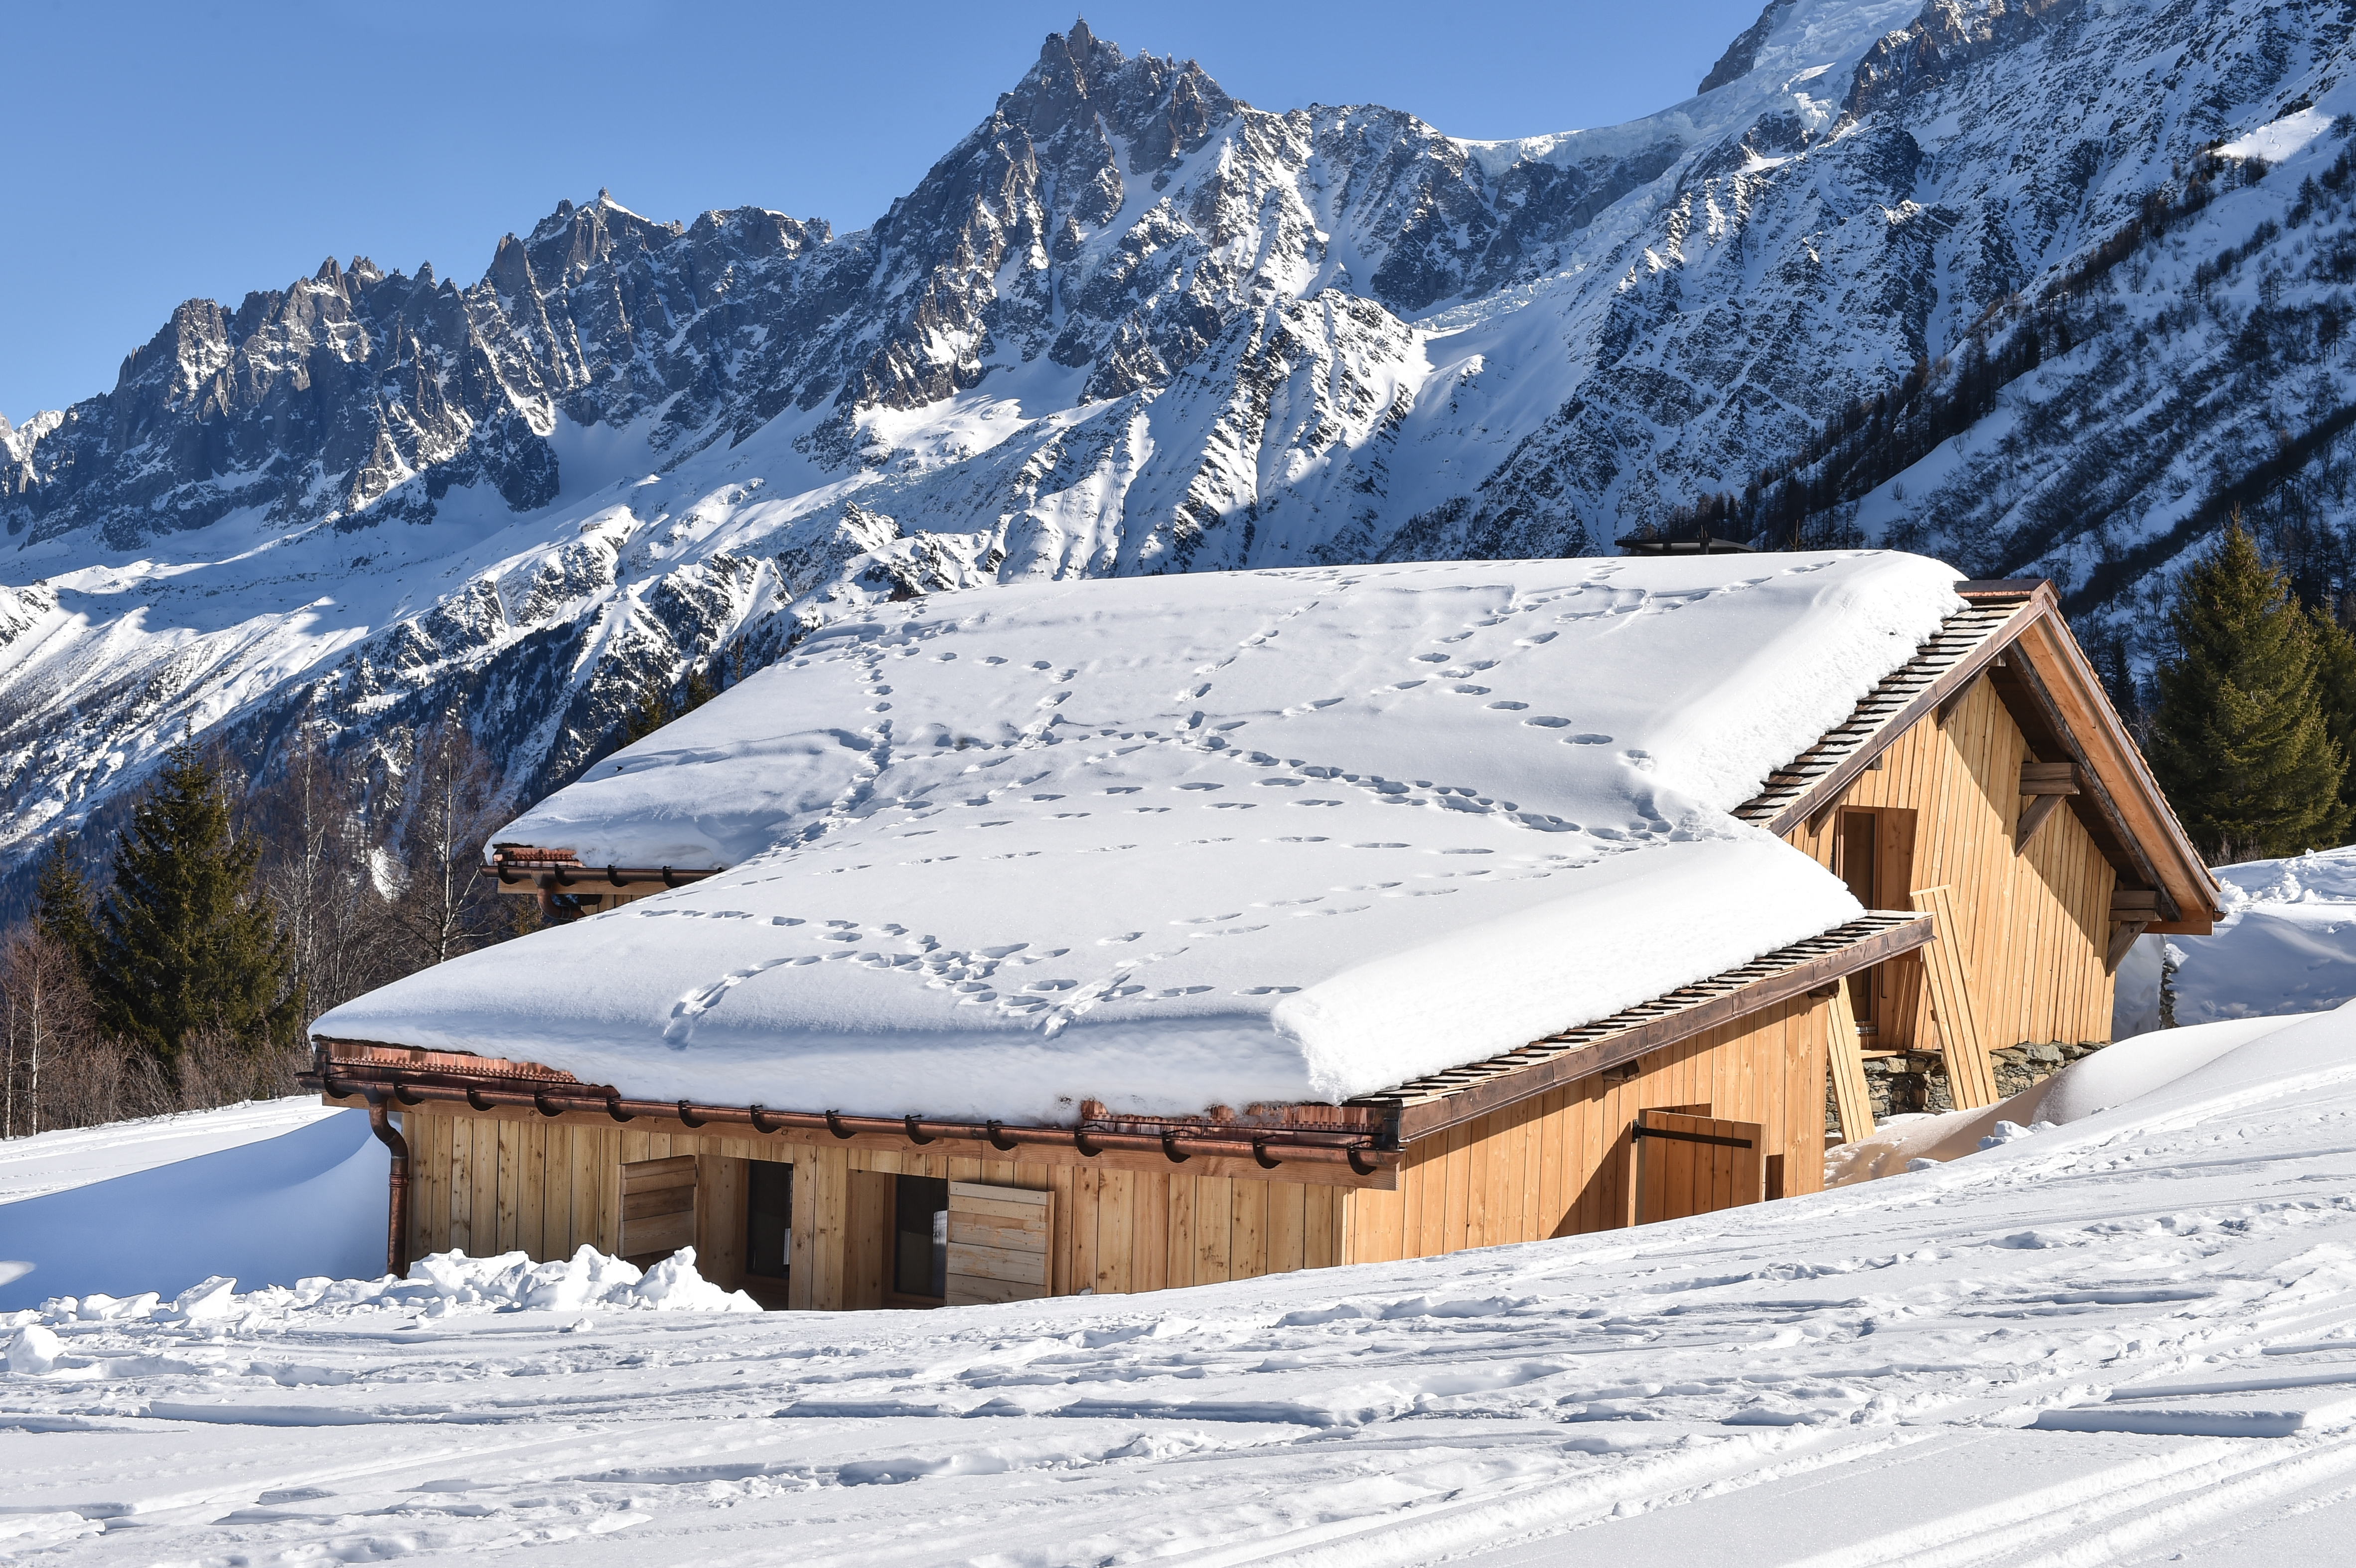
320	869
48	1016
451	807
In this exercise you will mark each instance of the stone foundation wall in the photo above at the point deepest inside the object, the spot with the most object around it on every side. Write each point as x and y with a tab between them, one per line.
1917	1080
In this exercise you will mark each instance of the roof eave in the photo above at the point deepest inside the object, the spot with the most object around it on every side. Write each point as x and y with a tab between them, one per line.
2130	795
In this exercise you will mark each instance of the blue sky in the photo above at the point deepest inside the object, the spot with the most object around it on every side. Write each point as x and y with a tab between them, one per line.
160	153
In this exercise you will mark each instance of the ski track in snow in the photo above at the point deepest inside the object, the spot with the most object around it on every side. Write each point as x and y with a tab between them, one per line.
1854	1378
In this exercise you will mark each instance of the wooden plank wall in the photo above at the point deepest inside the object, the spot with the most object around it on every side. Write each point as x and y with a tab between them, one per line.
1561	1163
1114	1230
2035	925
491	1186
1133	1229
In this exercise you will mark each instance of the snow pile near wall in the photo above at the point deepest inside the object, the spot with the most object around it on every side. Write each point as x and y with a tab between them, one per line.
305	1202
437	1286
2124	1074
1169	842
2287	943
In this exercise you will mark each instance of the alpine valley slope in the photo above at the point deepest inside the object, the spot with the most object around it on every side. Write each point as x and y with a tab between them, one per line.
1131	325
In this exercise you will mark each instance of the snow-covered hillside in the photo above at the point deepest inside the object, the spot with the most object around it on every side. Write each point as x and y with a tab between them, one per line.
2288	943
271	1191
2131	1338
1131	325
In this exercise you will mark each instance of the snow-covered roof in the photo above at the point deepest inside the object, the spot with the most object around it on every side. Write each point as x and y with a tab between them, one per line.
1178	841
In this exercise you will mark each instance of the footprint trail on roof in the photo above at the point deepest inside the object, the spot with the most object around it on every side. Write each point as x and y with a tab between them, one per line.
1364	824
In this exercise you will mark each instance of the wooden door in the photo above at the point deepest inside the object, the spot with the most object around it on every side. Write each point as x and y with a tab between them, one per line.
998	1243
1873	853
1695	1165
657	1208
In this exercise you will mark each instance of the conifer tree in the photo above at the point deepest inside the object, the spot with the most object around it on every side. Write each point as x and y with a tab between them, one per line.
62	900
2239	739
2335	688
184	942
653	710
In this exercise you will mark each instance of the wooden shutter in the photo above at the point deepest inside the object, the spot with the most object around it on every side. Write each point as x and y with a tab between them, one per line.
658	1206
997	1244
1695	1165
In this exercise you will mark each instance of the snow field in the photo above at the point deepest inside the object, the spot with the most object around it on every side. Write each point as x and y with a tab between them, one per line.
2132	1338
1185	841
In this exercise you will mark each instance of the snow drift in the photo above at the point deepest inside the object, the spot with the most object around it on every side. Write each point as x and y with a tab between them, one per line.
2126	1075
1181	841
305	1202
41	1163
437	1285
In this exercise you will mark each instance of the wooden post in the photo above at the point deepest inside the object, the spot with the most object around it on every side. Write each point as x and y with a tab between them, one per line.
1850	1096
1971	1077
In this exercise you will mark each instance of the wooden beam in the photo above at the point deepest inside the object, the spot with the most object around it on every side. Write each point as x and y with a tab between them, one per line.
2123	941
2032	817
2139	904
1971	1077
1851	1097
1307	1173
2048	778
1952	701
2046	785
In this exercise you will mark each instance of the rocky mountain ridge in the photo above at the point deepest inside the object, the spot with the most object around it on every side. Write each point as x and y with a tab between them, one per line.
1130	324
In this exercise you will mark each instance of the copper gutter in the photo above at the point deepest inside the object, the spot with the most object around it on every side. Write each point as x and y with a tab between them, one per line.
1269	1148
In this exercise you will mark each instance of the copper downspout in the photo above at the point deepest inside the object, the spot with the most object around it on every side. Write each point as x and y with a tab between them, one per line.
396	1236
1266	1146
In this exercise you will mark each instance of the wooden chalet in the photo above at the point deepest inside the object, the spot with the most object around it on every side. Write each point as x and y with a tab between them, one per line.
1983	803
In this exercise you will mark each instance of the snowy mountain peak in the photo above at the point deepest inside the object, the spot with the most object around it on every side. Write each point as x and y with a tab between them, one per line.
1129	324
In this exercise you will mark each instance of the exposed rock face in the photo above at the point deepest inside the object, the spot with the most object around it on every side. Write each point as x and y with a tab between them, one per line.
1744	53
1132	324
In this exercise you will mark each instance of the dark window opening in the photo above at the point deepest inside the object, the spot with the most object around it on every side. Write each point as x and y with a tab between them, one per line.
769	1218
1873	854
1853	862
920	1253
